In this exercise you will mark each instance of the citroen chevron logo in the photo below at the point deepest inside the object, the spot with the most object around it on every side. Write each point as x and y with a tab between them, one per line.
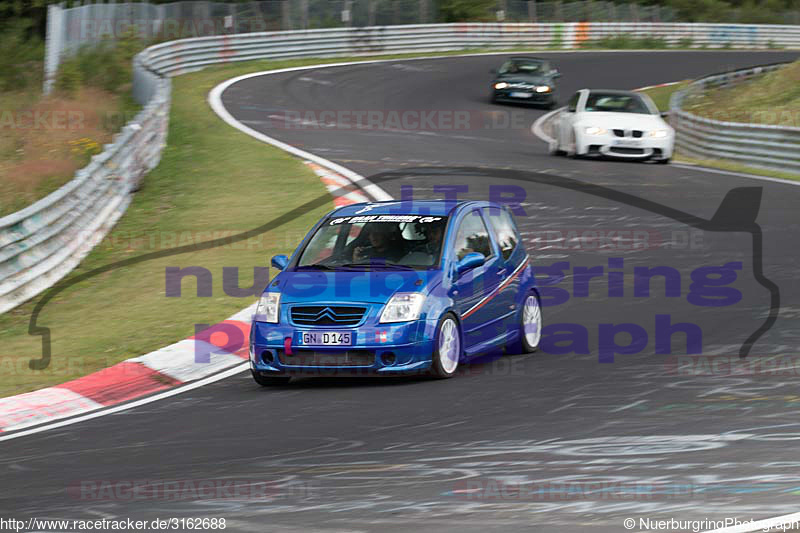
327	312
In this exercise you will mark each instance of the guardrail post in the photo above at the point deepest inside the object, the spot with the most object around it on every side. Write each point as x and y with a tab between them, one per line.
54	44
304	14
286	16
532	11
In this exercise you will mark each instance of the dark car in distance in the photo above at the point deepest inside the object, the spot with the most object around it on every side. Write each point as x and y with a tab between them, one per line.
525	80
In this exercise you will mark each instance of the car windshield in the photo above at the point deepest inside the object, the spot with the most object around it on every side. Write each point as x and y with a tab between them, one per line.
524	66
375	241
617	103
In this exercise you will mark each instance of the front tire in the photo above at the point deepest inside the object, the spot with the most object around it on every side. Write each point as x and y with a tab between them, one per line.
270	381
447	348
554	149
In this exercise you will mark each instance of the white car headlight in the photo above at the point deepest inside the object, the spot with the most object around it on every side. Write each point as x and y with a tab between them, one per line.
543	89
268	308
658	134
403	307
594	130
500	85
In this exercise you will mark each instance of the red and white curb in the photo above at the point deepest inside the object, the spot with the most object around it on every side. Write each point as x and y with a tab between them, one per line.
215	349
342	189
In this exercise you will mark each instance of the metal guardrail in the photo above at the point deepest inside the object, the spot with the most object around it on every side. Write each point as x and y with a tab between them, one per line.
42	243
757	145
45	241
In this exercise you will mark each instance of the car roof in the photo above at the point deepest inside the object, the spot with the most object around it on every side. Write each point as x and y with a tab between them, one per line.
407	207
528	57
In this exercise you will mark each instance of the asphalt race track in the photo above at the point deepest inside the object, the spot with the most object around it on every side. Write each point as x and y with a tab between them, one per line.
544	442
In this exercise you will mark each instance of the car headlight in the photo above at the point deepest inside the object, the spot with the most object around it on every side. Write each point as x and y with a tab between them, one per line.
594	130
658	134
268	308
543	89
500	85
403	307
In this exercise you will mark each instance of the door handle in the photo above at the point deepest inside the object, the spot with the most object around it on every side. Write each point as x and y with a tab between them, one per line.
501	272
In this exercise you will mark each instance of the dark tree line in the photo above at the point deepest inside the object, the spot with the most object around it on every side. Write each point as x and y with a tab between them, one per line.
30	16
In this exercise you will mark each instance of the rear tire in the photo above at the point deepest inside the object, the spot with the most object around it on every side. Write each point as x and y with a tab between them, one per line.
447	348
270	381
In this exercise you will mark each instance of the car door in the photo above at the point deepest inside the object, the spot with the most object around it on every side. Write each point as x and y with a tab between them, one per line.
472	290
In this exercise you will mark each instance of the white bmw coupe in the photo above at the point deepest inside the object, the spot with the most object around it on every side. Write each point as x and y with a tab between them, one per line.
621	124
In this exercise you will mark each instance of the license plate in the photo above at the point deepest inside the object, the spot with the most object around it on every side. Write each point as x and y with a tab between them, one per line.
326	338
520	95
627	143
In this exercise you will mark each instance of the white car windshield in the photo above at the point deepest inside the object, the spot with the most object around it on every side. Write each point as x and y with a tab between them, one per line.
617	103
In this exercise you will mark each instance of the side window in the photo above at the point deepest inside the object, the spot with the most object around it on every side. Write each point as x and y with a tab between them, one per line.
572	106
472	236
505	231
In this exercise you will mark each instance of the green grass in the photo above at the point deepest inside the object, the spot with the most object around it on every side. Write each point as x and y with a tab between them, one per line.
661	95
773	98
736	167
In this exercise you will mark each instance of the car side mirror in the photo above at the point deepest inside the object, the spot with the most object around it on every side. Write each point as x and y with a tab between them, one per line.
280	261
555	74
469	261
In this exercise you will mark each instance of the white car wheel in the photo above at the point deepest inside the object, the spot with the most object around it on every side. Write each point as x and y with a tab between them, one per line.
531	323
448	348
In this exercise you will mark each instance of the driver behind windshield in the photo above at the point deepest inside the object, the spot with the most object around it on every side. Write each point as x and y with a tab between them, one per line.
383	243
433	239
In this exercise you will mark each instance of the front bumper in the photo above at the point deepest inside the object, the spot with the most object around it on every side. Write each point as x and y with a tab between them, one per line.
533	98
612	146
378	349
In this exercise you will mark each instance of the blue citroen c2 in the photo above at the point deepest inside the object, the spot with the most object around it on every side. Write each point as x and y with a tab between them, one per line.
393	288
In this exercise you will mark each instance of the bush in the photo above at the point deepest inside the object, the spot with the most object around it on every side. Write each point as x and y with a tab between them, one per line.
19	53
106	65
68	78
466	10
